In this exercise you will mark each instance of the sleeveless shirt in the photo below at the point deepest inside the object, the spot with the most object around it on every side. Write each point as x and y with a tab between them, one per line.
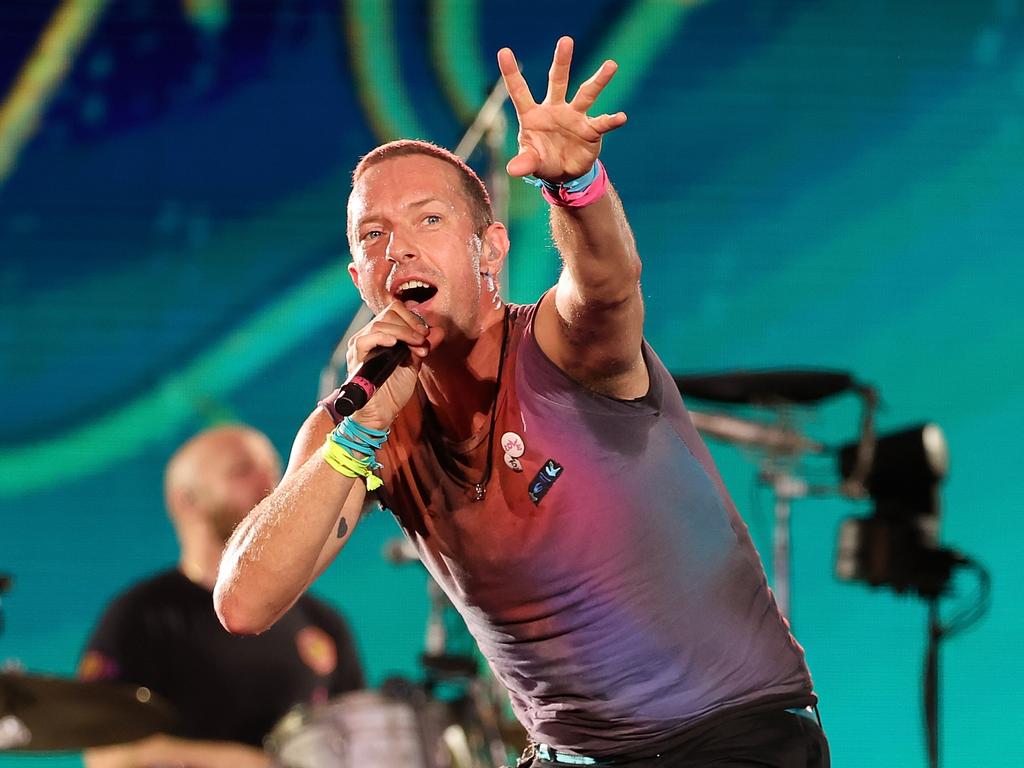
606	575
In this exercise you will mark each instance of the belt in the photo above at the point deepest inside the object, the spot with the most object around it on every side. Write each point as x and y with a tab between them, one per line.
549	754
811	713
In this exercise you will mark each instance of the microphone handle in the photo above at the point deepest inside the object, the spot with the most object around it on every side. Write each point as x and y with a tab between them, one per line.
369	376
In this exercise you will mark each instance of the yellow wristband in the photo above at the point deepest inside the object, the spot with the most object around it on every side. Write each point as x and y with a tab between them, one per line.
348	465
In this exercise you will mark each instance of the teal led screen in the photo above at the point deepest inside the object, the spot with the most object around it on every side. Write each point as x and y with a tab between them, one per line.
811	184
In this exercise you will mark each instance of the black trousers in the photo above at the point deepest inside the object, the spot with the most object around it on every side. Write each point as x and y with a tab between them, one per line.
777	739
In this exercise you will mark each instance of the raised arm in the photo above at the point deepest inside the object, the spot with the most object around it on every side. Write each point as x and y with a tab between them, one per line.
592	325
293	534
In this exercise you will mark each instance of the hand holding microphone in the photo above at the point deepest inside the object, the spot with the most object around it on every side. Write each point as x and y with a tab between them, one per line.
384	359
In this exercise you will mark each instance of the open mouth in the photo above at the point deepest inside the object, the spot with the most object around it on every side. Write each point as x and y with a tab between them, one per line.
415	291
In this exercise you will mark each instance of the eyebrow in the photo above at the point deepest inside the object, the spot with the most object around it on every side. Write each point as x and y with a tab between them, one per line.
426	201
373	216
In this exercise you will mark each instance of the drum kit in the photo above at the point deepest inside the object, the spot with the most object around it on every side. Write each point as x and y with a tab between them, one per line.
51	714
399	725
456	718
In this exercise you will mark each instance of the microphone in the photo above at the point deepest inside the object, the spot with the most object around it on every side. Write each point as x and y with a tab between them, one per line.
369	376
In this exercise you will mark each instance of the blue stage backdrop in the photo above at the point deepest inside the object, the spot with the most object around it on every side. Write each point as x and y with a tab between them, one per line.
820	183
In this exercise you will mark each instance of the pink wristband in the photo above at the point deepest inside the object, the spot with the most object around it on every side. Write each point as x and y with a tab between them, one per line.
566	199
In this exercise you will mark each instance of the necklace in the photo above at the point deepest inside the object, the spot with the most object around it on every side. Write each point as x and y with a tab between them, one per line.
477	491
449	456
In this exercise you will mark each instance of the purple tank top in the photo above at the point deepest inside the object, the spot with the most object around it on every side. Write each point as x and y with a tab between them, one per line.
606	575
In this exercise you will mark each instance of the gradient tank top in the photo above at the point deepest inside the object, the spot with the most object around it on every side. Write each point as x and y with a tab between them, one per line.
606	575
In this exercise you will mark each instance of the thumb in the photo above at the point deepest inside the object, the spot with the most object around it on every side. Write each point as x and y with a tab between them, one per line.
523	164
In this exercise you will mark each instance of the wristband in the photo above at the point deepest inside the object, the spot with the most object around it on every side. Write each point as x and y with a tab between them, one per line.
343	462
353	436
577	193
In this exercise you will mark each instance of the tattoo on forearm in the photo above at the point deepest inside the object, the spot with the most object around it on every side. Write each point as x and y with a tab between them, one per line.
342	528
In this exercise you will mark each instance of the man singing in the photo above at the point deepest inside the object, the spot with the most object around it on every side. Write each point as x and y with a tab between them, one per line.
542	462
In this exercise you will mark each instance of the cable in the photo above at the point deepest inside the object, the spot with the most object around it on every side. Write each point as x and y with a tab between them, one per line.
967	617
962	620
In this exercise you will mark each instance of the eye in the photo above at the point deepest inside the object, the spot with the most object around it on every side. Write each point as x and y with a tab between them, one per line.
431	218
371	234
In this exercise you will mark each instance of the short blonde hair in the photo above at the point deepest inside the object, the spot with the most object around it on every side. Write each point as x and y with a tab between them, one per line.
472	186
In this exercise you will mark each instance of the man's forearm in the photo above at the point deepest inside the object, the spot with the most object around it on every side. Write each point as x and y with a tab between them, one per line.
597	246
594	330
284	543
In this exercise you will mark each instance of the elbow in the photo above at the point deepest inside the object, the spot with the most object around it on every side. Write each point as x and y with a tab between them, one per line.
631	277
613	290
236	615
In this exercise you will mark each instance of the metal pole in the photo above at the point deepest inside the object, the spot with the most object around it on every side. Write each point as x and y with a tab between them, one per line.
786	488
780	553
491	126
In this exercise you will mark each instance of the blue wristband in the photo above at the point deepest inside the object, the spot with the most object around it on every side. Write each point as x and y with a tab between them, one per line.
575	186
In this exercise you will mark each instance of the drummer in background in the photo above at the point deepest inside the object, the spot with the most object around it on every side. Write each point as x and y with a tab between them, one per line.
163	633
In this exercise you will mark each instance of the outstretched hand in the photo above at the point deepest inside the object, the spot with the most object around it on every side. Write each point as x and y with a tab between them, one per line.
558	141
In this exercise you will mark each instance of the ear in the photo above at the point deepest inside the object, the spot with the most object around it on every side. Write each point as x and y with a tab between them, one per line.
496	245
183	502
353	272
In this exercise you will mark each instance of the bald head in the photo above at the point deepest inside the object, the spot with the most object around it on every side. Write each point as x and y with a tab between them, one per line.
216	477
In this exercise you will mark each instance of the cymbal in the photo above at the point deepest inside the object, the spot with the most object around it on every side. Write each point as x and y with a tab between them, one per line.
766	387
49	714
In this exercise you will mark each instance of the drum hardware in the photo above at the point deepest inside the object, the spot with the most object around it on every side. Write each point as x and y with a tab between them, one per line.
50	714
480	730
777	443
6	582
475	735
360	729
452	719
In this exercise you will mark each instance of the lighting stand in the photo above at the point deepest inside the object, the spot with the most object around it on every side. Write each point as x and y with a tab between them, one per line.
785	488
778	472
931	682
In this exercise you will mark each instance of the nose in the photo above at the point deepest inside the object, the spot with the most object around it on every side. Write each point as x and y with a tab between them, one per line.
400	246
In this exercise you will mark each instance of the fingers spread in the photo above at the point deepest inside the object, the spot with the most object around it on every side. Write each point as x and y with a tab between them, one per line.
515	84
558	75
604	123
591	89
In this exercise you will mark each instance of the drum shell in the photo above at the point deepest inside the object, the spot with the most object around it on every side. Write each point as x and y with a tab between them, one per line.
364	728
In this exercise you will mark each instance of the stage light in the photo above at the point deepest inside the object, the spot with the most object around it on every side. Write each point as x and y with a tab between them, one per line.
898	544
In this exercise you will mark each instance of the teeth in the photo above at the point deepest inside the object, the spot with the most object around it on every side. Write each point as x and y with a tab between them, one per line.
411	284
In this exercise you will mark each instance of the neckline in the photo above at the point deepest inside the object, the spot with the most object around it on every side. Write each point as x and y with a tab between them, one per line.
454	450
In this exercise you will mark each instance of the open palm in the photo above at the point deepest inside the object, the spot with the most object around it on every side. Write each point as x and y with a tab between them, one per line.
558	141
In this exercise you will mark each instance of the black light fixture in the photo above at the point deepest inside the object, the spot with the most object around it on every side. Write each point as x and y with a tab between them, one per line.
897	545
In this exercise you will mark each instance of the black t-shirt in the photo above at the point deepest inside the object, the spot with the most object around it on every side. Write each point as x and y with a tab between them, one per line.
163	633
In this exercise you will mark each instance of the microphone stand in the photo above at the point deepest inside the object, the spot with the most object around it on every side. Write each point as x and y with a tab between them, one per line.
491	126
